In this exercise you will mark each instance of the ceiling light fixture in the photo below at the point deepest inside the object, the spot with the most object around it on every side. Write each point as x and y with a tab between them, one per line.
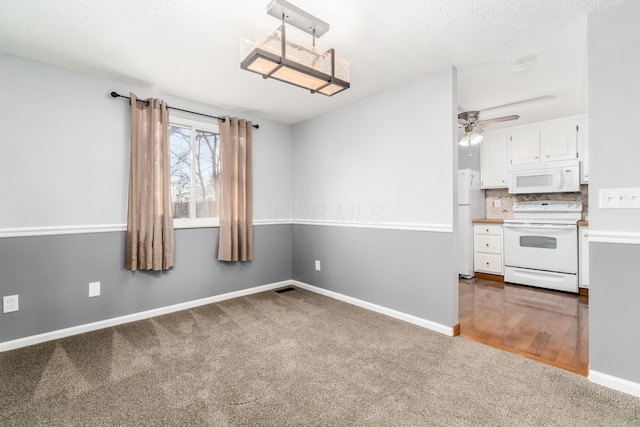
471	138
290	62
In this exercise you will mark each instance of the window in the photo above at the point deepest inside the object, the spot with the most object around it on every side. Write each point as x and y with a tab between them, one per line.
195	172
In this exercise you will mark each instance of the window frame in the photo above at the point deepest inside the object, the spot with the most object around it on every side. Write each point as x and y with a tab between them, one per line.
194	125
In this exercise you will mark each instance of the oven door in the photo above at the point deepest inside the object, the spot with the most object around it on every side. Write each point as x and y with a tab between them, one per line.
541	246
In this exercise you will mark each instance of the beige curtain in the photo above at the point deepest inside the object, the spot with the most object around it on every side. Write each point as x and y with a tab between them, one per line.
149	218
236	216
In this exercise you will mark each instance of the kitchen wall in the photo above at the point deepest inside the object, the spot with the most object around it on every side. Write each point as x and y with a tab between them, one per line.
614	234
374	200
506	201
64	170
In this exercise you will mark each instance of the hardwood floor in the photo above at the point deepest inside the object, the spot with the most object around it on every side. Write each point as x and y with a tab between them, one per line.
548	326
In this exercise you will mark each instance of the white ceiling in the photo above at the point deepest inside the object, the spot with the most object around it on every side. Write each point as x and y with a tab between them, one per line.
191	49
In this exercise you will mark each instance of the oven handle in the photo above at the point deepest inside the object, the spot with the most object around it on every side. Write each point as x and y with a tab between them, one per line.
540	226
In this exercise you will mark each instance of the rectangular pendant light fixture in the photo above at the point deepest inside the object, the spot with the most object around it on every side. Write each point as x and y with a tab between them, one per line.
290	62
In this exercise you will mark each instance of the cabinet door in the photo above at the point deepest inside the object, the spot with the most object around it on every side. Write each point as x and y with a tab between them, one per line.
584	257
524	147
488	263
493	162
488	257
559	141
583	149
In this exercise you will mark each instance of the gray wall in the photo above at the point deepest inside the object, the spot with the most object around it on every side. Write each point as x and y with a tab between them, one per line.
64	157
389	156
614	151
65	148
51	274
397	269
383	162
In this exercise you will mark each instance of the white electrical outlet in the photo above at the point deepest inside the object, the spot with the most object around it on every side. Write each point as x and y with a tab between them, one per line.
94	289
497	203
10	303
317	265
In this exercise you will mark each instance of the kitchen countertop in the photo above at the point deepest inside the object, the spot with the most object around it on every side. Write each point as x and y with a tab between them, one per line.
583	223
487	221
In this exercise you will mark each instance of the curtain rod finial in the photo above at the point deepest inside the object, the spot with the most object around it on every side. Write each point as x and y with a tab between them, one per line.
115	94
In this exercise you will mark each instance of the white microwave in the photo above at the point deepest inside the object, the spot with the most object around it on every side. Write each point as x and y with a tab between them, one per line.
556	179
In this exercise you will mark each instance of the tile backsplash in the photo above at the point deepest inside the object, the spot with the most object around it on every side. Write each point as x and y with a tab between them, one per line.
506	199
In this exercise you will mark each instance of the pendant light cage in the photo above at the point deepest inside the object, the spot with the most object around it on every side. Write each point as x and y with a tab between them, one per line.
276	55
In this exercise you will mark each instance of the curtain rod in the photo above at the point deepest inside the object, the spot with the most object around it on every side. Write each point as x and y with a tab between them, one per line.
116	95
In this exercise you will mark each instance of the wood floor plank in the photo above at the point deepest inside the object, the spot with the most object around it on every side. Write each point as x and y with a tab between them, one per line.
548	326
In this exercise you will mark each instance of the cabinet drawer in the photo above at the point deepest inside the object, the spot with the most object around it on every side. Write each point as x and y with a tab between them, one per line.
489	263
488	243
495	229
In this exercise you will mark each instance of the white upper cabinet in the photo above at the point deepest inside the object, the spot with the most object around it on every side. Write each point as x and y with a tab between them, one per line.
559	141
493	164
524	147
534	146
542	144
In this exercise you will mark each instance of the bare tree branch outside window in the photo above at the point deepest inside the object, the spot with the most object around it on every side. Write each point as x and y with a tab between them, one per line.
195	172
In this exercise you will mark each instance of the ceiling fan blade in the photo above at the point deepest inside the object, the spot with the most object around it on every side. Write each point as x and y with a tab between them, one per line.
499	119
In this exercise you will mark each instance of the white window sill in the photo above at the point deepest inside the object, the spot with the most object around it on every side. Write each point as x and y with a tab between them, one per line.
196	223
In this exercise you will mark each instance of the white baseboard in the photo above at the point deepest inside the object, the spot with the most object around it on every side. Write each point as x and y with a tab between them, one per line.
615	383
62	333
437	327
94	326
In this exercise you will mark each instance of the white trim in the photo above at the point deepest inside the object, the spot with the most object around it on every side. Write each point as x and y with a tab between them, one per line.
622	237
63	333
110	228
88	327
438	228
107	228
437	327
64	229
272	222
615	383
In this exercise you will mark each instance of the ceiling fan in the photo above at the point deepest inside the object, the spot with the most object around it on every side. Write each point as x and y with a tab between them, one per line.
470	121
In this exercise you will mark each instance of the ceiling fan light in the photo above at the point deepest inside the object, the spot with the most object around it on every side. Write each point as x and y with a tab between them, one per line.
470	138
476	138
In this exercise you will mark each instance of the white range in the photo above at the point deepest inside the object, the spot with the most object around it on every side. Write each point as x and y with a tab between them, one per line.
541	244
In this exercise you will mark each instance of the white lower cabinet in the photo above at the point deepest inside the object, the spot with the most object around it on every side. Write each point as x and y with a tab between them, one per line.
487	249
583	259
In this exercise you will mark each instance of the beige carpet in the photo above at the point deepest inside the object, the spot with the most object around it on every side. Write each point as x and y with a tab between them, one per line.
294	358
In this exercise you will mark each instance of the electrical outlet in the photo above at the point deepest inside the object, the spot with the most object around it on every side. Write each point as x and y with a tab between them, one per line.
317	265
94	289
10	303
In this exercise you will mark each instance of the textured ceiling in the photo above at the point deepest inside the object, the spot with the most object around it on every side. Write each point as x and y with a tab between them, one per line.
192	49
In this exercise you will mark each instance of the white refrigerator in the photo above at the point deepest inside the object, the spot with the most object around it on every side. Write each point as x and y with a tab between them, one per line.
470	207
